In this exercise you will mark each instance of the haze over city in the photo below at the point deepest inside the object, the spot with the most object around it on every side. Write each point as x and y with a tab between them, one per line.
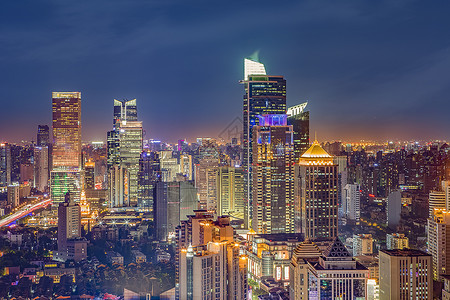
369	70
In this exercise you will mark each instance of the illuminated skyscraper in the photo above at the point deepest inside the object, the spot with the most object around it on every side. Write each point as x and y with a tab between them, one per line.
66	155
43	135
299	119
230	192
125	110
66	129
318	204
5	164
206	183
89	175
125	144
264	94
149	174
273	176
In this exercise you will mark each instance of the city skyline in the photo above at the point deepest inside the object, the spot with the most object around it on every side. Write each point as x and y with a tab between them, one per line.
383	94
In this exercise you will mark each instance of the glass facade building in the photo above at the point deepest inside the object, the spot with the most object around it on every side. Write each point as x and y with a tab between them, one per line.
299	119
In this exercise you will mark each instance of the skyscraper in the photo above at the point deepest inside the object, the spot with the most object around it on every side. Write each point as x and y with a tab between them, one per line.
66	129
351	203
124	144
273	176
206	183
149	174
66	155
299	119
41	171
43	136
264	94
438	234
405	274
317	175
5	164
125	110
230	192
70	243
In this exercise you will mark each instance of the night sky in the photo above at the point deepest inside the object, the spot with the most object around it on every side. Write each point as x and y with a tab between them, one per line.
370	69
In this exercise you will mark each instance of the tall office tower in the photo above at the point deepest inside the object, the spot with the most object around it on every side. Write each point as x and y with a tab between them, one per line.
396	241
394	209
66	130
341	162
333	274
113	148
125	110
439	242
436	200
26	172
351	202
299	119
264	94
119	187
13	195
213	269
66	157
89	175
43	136
70	243
169	166
206	183
362	244
186	166
230	192
405	274
41	171
149	174
273	175
318	203
130	153
174	202
445	184
5	164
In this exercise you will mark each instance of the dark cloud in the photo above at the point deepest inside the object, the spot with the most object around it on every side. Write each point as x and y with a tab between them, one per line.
374	69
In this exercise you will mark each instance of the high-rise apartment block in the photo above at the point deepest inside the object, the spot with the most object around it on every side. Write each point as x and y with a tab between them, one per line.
439	242
394	209
436	200
396	241
351	200
206	183
5	164
362	244
273	176
70	243
264	94
230	192
299	119
318	203
405	274
13	195
209	265
41	171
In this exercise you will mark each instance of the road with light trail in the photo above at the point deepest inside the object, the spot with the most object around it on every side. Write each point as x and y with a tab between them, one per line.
22	212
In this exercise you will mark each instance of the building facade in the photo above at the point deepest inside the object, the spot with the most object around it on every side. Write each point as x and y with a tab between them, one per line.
318	196
273	176
298	118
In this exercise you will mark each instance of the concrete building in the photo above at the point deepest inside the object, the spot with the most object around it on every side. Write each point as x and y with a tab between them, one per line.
210	267
438	234
394	209
70	243
138	256
331	274
362	244
206	183
41	171
230	192
352	202
270	255
436	200
396	241
119	190
405	274
13	195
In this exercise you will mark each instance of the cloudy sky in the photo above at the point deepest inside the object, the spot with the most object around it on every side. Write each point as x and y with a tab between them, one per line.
369	69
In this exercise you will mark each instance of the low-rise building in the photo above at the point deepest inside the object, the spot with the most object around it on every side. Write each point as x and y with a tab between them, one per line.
114	257
396	241
138	256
